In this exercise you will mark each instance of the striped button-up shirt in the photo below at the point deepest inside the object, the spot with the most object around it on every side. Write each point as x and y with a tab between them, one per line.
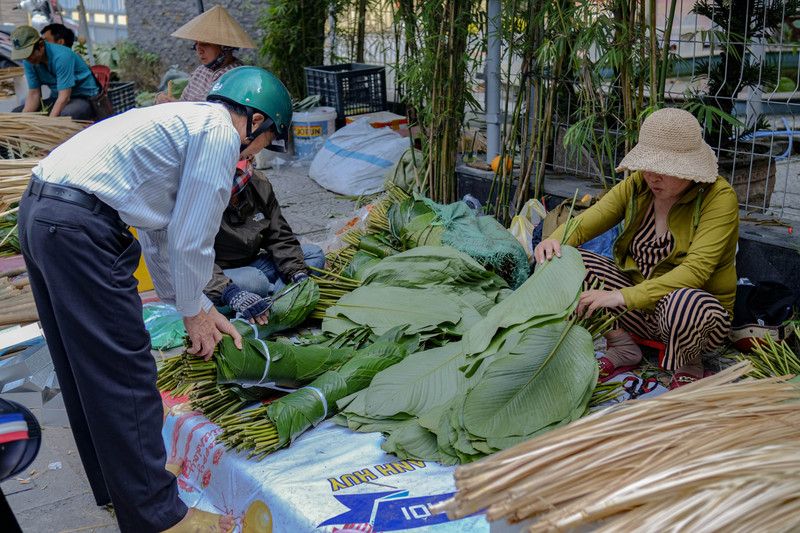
201	81
168	171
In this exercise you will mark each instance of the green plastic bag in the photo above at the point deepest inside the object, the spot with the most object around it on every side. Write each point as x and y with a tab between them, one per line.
164	324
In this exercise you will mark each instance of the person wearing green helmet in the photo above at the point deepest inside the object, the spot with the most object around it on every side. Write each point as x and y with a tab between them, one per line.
167	171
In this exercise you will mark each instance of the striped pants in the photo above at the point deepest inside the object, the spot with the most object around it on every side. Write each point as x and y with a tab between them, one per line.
690	322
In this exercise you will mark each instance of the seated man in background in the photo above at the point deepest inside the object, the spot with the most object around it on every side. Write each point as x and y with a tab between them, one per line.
65	72
256	252
58	34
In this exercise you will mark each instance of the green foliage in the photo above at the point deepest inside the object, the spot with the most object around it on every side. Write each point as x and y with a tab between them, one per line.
9	236
437	62
294	38
141	67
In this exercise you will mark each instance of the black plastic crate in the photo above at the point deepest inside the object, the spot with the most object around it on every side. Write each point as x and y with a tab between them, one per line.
350	88
121	95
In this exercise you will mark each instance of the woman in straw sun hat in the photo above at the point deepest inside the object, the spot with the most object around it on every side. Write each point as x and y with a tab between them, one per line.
216	37
673	268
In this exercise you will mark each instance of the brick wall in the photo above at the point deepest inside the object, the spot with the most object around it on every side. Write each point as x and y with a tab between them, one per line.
150	23
11	16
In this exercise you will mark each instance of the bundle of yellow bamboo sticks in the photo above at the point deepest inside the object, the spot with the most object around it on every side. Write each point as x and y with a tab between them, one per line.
34	134
16	300
14	177
11	73
717	455
7	76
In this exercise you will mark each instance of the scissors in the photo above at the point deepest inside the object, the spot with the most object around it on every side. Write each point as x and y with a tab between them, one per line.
638	386
280	295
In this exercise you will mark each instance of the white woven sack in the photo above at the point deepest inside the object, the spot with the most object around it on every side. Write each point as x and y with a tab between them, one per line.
354	160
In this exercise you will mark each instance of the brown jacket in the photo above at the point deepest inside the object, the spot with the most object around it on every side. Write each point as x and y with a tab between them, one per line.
255	224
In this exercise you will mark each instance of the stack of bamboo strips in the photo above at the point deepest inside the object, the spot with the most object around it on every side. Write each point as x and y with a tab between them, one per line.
717	455
14	177
16	300
7	76
11	73
34	134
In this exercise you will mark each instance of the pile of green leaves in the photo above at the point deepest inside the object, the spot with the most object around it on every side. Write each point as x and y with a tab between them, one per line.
521	370
432	290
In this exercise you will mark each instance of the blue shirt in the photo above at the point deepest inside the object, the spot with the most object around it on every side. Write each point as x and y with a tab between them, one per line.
168	171
64	70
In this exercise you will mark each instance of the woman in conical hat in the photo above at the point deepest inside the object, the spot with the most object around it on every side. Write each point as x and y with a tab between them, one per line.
216	37
673	268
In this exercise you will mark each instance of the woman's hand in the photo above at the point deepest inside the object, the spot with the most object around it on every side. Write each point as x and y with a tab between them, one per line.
546	249
163	98
590	301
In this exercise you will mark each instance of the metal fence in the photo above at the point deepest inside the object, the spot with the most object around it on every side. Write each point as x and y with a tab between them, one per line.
758	146
744	64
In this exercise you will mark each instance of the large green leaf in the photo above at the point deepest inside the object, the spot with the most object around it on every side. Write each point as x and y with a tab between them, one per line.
409	440
383	307
422	381
539	382
550	293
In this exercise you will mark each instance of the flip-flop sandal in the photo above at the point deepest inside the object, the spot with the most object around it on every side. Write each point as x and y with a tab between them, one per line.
174	469
608	370
200	522
682	378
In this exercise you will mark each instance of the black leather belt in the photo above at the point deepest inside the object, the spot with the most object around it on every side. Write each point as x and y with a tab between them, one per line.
73	196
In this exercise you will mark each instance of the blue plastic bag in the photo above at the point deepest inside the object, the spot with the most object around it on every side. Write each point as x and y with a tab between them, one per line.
603	244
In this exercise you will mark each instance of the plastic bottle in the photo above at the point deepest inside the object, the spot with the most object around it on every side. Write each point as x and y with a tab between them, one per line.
473	203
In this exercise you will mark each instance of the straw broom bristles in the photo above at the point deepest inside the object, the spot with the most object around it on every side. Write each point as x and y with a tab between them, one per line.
14	177
37	132
667	460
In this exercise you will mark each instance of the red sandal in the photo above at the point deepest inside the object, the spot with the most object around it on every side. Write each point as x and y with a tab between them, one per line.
608	370
682	378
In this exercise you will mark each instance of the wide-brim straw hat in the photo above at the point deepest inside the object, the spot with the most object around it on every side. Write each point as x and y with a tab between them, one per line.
671	143
215	26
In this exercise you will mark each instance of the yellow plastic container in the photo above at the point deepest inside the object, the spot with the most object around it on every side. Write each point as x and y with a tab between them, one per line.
142	274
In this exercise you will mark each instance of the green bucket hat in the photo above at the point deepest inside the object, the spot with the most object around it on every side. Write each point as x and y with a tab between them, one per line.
23	39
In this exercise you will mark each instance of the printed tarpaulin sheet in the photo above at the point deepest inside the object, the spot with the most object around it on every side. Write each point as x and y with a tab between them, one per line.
330	479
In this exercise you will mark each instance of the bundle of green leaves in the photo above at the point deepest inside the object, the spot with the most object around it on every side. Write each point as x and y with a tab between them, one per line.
286	313
521	370
263	363
430	289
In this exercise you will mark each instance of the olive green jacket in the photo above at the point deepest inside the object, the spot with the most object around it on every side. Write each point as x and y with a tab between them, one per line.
704	224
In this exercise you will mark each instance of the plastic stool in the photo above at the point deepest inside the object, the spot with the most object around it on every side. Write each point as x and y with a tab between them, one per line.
657	345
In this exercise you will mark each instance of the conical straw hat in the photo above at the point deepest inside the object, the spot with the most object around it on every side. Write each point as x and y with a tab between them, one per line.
215	26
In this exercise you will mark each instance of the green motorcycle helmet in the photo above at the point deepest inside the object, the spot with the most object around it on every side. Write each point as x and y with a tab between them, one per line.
257	90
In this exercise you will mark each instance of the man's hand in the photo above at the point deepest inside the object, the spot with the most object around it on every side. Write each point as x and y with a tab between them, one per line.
205	331
250	305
